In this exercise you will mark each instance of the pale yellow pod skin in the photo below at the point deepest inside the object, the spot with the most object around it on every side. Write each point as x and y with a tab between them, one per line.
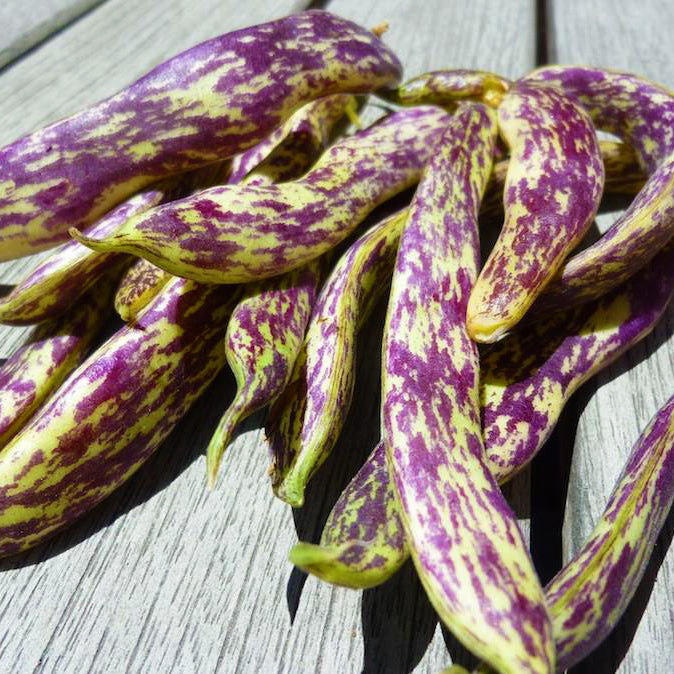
464	539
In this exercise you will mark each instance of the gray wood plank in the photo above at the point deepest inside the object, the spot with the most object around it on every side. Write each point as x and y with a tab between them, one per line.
618	404
165	576
27	24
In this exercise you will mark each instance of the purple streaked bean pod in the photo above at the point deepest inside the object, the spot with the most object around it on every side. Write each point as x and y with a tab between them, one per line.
112	413
263	339
552	191
363	542
210	102
642	114
623	174
304	425
57	282
590	594
292	148
53	350
239	233
526	380
464	539
448	87
139	285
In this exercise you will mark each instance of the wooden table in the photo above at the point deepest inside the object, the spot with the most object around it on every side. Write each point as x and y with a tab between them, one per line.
167	576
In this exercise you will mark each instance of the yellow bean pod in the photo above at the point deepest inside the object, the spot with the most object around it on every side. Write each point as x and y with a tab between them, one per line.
464	539
140	284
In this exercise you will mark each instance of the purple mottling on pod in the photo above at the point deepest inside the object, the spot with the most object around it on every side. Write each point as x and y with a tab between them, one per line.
590	594
240	233
57	282
552	191
53	350
642	114
212	101
304	425
463	537
112	413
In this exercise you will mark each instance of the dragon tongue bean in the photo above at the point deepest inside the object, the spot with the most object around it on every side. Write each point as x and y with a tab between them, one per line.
553	187
464	539
642	114
240	233
212	101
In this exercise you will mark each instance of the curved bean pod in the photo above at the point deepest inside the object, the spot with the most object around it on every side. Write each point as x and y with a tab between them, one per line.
239	233
303	427
590	594
53	350
448	87
263	340
57	282
526	381
290	150
363	542
642	113
111	413
139	286
464	539
212	101
623	175
552	191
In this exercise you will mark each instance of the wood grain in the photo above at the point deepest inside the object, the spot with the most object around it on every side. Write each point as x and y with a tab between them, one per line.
612	409
165	576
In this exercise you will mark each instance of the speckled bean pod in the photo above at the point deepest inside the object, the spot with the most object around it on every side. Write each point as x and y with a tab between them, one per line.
363	542
292	148
305	424
140	284
642	114
239	233
448	87
53	350
526	380
212	101
111	414
464	539
623	174
552	191
57	282
264	337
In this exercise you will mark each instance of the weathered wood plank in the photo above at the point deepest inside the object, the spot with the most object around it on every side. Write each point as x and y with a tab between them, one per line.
165	576
27	24
617	405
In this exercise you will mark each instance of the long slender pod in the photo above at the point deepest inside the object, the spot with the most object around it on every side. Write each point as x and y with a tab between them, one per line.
623	175
112	413
305	424
590	594
263	339
292	148
526	380
53	350
267	327
140	284
57	282
363	542
464	539
642	114
448	87
210	102
552	191
239	233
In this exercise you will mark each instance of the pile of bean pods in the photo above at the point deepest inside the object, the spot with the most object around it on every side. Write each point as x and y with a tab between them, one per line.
214	203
